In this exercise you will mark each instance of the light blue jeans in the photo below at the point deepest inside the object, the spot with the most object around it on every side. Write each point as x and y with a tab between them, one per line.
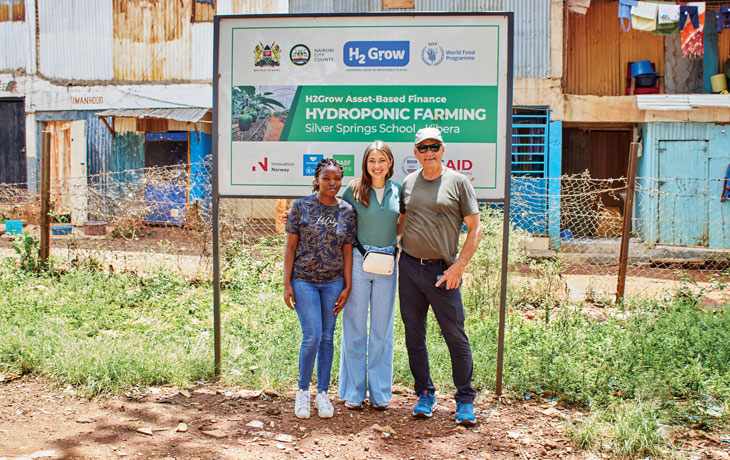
366	360
314	303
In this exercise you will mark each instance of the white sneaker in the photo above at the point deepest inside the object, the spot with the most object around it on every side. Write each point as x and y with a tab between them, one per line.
301	404
324	406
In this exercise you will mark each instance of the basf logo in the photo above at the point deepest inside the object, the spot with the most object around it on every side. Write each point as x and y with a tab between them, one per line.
376	54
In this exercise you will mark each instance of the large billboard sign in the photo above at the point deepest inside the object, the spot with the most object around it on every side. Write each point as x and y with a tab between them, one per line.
292	89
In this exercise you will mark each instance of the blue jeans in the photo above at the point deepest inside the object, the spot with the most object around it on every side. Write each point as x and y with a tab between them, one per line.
366	359
314	303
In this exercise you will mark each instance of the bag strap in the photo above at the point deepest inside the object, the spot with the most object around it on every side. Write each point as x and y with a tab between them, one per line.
359	247
363	251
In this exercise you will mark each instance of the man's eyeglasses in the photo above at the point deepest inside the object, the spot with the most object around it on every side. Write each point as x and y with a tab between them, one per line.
423	148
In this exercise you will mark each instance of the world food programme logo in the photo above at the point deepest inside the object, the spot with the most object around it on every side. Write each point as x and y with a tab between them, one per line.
432	54
299	54
266	56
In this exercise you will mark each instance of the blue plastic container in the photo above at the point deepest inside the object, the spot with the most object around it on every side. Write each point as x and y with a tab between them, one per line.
61	230
642	68
566	234
13	227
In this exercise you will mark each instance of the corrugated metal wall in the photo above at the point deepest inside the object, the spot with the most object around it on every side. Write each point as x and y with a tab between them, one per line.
532	23
152	40
128	154
598	51
202	51
532	37
335	6
98	145
13	45
654	132
76	39
155	41
254	6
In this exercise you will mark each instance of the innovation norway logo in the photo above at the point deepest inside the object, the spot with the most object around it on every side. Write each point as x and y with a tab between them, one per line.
376	53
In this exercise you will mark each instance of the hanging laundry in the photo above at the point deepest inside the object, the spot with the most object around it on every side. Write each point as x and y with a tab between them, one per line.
723	18
667	19
693	31
643	16
668	13
688	11
624	12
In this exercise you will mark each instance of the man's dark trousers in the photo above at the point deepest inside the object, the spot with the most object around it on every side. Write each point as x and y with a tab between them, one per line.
417	290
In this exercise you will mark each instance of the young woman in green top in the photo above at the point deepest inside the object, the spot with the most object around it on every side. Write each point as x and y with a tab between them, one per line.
366	364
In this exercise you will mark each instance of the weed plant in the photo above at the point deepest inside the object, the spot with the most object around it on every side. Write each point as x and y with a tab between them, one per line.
663	361
102	332
483	278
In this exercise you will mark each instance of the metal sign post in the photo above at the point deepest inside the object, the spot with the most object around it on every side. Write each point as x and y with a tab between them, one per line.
505	225
289	90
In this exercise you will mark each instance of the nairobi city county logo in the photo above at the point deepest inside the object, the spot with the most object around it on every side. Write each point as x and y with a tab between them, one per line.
299	54
266	56
432	54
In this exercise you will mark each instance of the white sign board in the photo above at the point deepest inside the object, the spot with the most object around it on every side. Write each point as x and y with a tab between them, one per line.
294	89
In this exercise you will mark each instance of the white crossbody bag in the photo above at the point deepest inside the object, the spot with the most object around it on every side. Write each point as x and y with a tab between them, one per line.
379	263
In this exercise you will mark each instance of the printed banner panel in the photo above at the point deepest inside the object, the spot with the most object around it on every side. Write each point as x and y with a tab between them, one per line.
293	90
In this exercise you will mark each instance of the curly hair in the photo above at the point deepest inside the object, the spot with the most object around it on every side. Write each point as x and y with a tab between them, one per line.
320	166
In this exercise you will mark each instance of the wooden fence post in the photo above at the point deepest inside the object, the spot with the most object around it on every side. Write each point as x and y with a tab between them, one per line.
626	231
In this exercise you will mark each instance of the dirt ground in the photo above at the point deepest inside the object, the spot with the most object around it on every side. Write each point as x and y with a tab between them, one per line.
38	420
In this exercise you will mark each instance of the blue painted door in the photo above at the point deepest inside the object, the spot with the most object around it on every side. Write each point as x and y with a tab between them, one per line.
165	201
683	206
719	210
200	171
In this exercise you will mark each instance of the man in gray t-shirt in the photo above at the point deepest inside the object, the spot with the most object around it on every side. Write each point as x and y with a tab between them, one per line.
435	201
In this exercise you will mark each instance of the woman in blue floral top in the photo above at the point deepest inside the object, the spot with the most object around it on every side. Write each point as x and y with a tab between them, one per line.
317	277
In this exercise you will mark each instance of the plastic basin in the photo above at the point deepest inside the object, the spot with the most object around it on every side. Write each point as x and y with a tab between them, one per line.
61	230
13	227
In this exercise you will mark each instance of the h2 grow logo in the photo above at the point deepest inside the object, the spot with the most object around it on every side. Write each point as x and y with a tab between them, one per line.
376	54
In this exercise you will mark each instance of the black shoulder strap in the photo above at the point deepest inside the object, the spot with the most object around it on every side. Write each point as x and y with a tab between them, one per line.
359	246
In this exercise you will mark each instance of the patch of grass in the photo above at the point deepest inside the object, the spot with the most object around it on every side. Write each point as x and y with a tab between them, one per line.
630	429
103	332
661	361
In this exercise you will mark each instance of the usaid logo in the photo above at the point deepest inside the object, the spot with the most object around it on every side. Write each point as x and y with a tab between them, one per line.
376	54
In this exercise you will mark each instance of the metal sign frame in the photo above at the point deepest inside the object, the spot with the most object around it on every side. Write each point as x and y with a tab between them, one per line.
507	114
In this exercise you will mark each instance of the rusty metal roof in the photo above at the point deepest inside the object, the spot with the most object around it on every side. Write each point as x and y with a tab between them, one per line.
189	114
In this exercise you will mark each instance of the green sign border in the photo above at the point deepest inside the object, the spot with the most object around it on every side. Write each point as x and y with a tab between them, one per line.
233	29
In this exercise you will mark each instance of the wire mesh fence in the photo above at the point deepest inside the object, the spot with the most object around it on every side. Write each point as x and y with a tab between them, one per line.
127	219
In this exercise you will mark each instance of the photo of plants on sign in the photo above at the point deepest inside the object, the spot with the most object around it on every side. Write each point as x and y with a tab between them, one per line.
259	113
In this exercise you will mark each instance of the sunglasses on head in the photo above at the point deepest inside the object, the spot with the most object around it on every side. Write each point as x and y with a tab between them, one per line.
423	148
